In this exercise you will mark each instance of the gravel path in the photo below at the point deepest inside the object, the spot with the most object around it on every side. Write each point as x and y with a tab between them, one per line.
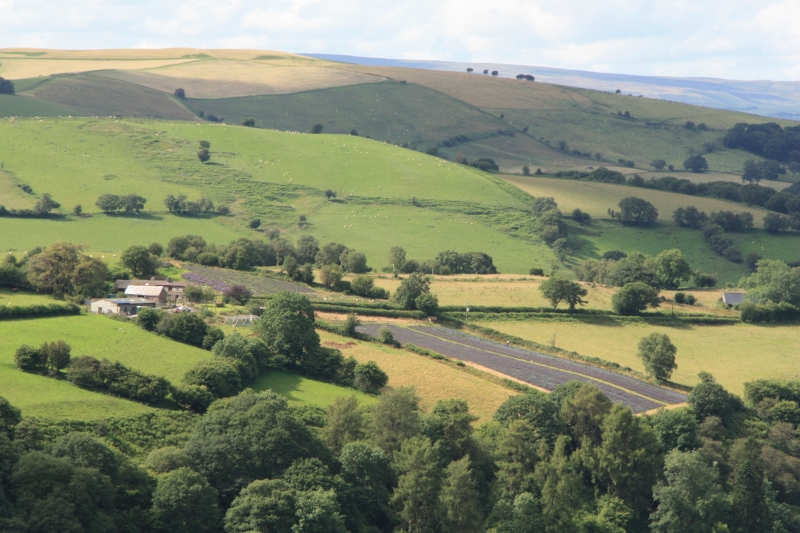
535	368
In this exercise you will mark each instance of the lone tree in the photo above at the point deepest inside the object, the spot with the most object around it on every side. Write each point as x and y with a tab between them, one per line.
558	290
637	212
658	164
6	86
255	223
180	93
330	194
250	122
205	144
317	128
203	155
696	163
658	355
495	73
469	69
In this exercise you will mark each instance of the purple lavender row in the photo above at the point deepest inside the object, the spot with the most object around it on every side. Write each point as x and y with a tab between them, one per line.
627	382
540	376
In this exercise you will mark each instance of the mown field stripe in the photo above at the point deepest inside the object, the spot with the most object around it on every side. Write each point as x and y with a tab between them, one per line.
585	376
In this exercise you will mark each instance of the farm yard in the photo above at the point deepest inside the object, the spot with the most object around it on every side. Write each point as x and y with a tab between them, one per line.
537	369
734	354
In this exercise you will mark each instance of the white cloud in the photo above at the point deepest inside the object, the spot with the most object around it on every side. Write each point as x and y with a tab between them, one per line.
724	38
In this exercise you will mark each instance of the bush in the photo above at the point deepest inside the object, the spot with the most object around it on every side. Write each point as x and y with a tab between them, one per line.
213	336
634	298
753	313
537	271
704	280
220	376
427	303
369	377
711	399
90	373
30	359
15	311
184	327
238	293
690	299
194	397
385	335
148	318
351	324
680	297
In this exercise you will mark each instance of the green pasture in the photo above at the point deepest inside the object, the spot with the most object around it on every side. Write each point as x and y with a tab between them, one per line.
388	111
299	390
111	234
604	236
423	233
23	297
596	198
53	398
101	337
345	164
734	354
104	97
24	106
77	160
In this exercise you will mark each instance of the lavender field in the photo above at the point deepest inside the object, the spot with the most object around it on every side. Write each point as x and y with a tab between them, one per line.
531	367
220	279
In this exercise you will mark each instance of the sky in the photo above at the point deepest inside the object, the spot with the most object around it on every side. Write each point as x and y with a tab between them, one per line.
731	39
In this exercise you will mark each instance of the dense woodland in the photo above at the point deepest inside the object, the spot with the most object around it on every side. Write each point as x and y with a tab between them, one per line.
569	461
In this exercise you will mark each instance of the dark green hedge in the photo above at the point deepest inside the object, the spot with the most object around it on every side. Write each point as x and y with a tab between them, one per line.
368	311
30	311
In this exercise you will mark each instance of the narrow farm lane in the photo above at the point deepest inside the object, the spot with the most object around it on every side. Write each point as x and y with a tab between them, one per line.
538	369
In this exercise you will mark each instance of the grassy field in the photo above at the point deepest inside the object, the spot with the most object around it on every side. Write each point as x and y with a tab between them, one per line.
24	106
51	398
388	110
96	96
511	291
100	337
604	236
596	198
432	380
112	234
299	390
30	67
225	78
23	297
92	335
734	354
279	176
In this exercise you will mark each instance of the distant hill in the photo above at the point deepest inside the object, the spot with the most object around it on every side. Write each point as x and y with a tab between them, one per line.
779	99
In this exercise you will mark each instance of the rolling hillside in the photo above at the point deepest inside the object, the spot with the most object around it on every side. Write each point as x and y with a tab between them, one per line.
514	122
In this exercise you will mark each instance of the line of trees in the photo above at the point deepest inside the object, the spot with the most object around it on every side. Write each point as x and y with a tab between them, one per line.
446	262
43	208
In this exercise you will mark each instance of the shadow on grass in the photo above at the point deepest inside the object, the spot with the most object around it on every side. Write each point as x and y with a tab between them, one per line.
280	382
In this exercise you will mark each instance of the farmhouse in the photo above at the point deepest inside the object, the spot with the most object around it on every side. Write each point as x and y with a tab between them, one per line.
153	293
732	298
174	289
120	306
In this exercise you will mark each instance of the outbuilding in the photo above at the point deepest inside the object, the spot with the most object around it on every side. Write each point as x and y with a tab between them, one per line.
120	306
155	293
732	298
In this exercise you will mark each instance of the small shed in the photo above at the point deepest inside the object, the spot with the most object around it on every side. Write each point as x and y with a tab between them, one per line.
155	293
732	298
120	306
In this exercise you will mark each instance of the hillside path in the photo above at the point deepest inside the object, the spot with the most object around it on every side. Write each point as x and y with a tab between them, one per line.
538	369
